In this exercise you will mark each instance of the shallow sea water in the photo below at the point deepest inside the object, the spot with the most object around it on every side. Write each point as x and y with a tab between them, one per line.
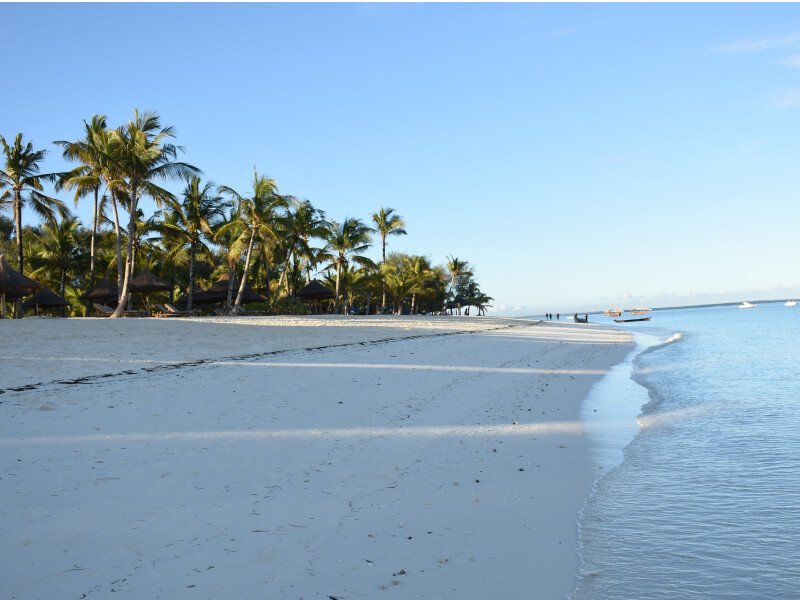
705	500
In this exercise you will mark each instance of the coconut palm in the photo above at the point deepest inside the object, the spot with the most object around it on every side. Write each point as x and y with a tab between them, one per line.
387	223
193	220
347	241
58	251
457	269
301	222
21	184
258	215
88	177
143	155
94	152
407	275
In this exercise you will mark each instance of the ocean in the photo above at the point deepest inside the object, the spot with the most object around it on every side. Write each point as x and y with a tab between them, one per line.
698	437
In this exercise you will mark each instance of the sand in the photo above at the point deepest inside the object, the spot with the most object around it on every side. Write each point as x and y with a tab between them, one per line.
318	457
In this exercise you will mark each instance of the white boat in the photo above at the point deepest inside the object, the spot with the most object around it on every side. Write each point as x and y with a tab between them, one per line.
791	303
747	305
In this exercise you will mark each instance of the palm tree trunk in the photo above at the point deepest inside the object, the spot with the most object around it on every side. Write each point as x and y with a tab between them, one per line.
94	234
119	240
231	279
62	287
338	273
239	295
284	278
190	295
383	282
18	233
125	294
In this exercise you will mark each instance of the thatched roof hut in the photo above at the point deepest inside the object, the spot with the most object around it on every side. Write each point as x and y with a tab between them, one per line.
13	283
103	291
219	292
44	298
315	291
146	282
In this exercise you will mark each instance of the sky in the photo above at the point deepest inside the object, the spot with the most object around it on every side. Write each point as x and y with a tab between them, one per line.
578	156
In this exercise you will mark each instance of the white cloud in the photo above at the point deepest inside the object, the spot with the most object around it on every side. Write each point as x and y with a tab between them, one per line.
789	98
757	45
792	61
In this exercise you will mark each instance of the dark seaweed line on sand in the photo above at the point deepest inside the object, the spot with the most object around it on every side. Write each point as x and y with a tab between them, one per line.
89	379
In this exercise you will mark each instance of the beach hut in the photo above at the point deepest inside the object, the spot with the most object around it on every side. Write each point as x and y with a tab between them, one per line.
219	292
315	291
13	284
44	298
145	283
103	291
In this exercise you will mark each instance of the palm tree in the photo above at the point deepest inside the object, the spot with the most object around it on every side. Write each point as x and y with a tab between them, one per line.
142	154
457	269
22	184
347	241
88	177
387	223
193	221
59	251
301	222
258	215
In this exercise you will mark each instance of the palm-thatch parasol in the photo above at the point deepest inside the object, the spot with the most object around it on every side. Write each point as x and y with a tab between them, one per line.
44	298
103	291
199	297
219	291
13	283
145	283
315	291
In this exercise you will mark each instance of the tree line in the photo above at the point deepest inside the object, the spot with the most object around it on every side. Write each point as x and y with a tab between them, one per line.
260	237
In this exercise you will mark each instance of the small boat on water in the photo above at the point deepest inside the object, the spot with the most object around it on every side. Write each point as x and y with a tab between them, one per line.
791	303
639	311
631	320
613	312
747	305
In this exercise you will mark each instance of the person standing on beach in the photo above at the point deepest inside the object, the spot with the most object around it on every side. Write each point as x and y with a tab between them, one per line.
558	316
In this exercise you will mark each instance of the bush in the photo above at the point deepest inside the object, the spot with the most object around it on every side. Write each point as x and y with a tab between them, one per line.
290	306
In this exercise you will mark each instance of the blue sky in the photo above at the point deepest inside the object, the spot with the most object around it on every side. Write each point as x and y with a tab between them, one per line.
579	156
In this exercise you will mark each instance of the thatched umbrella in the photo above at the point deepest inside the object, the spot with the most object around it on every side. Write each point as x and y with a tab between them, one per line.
13	283
146	283
219	291
103	291
315	291
44	298
199	297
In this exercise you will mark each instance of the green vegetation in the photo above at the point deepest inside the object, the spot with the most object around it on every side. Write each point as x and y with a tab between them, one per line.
271	242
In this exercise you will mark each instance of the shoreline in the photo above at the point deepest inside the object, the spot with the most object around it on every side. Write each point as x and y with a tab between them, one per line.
409	457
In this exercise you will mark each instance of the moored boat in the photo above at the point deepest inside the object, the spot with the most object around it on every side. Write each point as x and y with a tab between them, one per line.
613	312
639	311
791	303
631	320
746	304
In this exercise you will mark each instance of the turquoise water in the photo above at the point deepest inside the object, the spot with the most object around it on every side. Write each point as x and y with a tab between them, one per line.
705	501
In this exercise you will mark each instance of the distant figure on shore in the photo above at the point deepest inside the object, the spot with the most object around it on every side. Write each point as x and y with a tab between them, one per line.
558	316
585	318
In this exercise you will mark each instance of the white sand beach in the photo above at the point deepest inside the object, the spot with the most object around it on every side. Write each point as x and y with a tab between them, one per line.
295	457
